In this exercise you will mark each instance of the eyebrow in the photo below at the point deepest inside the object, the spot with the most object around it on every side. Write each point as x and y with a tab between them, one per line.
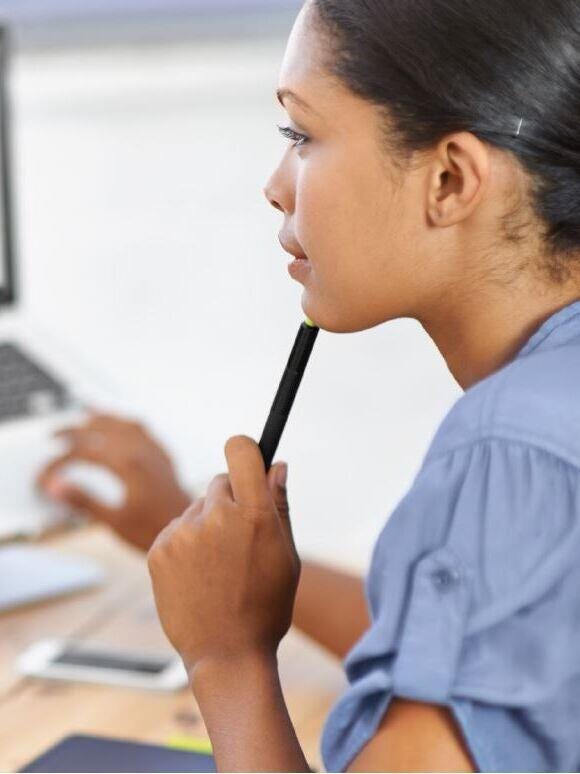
283	93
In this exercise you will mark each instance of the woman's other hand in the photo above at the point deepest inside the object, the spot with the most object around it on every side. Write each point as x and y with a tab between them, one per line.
153	495
225	573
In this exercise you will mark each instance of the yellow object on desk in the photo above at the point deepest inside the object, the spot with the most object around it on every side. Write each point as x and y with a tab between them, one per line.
190	743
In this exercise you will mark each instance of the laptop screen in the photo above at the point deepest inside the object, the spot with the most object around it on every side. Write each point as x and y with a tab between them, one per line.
6	257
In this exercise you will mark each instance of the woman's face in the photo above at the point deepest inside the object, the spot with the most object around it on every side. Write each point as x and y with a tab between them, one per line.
347	207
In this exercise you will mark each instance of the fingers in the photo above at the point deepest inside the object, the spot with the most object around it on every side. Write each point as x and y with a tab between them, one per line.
190	515
104	425
220	488
54	467
247	473
108	423
102	442
82	438
55	486
194	511
277	476
79	501
277	483
196	506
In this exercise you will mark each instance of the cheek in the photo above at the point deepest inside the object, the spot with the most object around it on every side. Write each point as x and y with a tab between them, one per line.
345	221
333	219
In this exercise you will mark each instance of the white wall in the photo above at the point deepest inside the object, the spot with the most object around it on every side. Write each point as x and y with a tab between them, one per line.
148	247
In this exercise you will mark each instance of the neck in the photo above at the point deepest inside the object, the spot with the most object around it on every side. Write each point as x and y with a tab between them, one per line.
477	336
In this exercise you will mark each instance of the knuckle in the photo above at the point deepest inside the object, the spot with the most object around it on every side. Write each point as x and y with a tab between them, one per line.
192	512
164	537
197	505
154	554
165	546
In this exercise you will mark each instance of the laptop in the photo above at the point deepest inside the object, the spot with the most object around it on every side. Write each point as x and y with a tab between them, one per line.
42	388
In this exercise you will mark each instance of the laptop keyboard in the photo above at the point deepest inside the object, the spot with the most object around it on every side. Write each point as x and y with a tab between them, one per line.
26	389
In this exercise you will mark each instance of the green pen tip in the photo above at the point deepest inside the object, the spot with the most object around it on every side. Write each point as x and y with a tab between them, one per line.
309	322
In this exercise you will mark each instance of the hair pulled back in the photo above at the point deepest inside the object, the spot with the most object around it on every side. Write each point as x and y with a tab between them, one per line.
441	66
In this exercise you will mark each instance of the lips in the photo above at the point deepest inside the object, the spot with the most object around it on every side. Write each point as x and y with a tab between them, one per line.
292	248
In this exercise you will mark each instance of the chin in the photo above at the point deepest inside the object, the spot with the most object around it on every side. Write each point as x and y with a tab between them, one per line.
333	321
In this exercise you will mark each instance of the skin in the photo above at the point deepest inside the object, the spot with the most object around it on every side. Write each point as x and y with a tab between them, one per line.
154	497
420	242
385	238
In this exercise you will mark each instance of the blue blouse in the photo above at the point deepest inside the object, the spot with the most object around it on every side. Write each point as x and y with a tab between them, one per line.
474	586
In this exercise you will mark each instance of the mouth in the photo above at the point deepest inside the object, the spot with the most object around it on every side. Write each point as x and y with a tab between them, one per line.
300	266
291	247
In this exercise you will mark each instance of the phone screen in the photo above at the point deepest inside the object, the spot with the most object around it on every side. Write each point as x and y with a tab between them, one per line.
103	660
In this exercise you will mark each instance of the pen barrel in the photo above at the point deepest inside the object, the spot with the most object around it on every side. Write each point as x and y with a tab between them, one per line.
286	393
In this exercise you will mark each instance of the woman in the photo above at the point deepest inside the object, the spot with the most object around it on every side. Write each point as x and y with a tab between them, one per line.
434	173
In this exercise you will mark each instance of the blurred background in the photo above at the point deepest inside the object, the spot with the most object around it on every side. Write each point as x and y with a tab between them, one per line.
144	132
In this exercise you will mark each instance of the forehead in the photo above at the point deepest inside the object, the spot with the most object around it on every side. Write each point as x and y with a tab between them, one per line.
304	57
307	72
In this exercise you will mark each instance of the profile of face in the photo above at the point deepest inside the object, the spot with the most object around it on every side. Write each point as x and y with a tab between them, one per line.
381	241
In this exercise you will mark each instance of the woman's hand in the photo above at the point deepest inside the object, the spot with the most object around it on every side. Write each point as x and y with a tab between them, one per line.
225	574
153	495
225	577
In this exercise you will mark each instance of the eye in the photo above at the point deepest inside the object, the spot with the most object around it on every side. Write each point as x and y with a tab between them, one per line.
297	138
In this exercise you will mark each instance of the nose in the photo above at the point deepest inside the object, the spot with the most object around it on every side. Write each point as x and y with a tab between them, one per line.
270	195
280	188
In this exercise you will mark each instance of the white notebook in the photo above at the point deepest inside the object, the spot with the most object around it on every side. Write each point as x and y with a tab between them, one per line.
30	574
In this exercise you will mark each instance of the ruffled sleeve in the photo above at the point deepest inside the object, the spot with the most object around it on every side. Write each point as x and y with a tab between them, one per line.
474	594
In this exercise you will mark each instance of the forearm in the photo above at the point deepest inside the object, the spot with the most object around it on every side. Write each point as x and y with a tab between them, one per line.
331	607
246	717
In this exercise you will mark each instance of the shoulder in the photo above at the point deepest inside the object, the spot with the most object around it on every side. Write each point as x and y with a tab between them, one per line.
473	586
500	484
497	506
533	400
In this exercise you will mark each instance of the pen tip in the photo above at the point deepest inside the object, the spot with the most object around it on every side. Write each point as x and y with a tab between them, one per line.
309	322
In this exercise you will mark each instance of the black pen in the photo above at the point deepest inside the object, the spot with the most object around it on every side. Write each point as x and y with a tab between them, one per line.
287	390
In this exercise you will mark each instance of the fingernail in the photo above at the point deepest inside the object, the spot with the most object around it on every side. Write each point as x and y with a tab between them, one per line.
282	474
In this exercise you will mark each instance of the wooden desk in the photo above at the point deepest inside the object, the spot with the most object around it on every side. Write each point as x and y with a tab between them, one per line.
34	713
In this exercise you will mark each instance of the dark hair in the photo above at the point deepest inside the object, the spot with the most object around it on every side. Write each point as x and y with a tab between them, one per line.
441	66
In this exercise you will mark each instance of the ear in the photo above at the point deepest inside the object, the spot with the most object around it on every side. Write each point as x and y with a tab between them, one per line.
458	178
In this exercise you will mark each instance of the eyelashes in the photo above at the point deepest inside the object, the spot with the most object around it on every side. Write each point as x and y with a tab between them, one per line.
297	138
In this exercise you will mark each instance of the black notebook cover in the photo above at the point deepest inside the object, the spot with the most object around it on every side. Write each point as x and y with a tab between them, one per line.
99	754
